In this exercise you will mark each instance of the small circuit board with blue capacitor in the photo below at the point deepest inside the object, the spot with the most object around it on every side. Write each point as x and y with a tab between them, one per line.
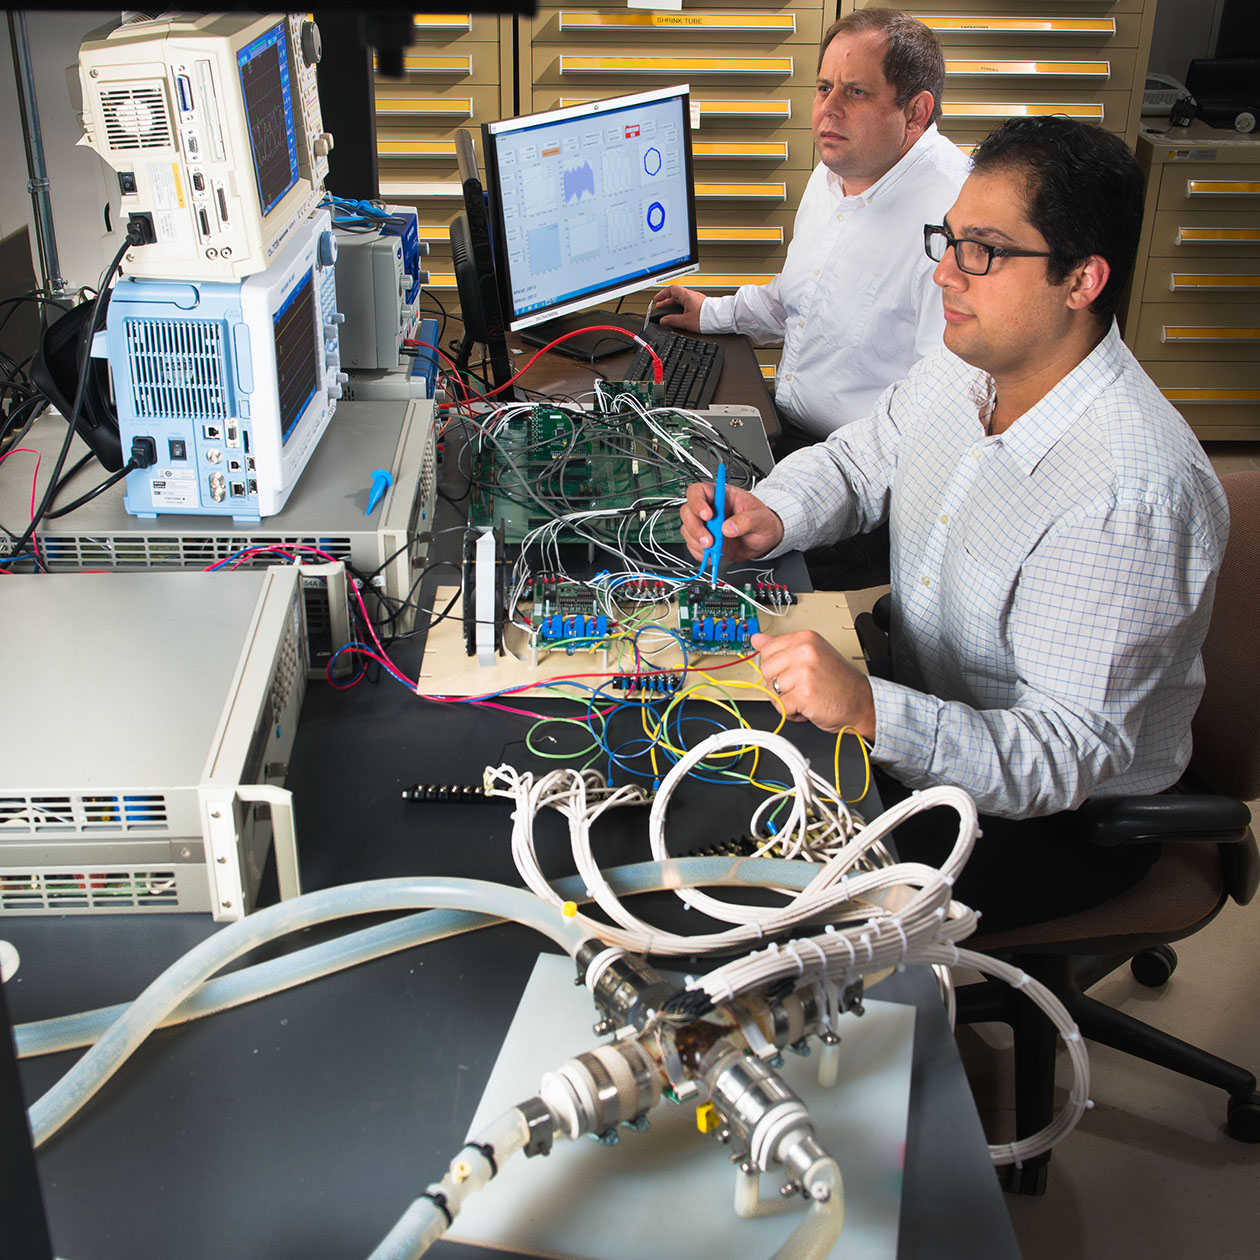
566	617
721	620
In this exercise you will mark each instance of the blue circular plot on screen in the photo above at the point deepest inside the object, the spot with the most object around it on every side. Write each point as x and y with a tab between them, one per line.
656	216
652	161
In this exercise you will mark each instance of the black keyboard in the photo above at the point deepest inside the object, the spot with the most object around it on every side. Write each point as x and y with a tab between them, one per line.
693	367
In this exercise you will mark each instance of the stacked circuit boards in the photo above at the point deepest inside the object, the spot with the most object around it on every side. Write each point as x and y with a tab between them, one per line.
546	463
710	620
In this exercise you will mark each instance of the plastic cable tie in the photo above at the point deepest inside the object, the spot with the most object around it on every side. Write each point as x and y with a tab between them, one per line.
822	953
954	946
1074	1035
689	983
829	930
865	938
790	948
901	932
1015	1159
1023	980
486	1151
437	1197
773	947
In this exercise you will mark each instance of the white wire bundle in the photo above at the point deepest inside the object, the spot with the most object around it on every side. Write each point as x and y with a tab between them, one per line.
862	936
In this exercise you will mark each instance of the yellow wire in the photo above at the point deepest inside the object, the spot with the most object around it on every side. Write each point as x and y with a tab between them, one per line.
866	760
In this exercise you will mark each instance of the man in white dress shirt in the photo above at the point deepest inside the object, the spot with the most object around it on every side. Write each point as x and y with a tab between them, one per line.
1056	535
854	305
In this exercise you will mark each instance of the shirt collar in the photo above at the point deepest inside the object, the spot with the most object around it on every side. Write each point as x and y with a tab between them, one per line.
890	178
1037	431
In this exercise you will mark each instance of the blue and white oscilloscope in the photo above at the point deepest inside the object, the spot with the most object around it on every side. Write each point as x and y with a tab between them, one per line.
235	382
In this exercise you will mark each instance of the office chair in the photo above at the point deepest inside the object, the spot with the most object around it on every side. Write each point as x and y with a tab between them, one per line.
1209	856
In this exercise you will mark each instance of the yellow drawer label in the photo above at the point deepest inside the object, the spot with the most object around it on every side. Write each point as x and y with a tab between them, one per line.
741	235
676	65
1211	395
416	148
780	110
417	63
776	149
1222	188
1187	280
1173	333
442	21
1020	109
450	106
1217	236
1092	70
1019	25
779	23
758	191
711	280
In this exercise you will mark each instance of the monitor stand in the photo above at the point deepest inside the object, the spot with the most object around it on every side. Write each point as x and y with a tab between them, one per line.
589	346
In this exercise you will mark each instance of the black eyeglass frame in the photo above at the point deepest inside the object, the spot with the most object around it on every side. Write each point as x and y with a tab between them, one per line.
933	230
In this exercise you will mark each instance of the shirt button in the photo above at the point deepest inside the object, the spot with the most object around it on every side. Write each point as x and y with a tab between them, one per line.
975	454
839	217
787	376
800	323
944	518
926	581
818	271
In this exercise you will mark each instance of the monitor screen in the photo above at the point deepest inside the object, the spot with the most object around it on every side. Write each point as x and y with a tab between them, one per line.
297	358
591	202
264	70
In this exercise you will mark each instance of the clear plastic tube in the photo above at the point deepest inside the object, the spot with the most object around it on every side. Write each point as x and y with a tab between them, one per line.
424	1222
186	975
71	1032
815	1236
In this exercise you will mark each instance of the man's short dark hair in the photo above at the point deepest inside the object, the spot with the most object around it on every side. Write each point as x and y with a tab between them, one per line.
1084	191
913	61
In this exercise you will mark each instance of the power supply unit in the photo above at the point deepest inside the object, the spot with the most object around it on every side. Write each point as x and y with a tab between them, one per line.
145	739
326	513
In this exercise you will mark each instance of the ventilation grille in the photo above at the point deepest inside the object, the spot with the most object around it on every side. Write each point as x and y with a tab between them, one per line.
177	368
173	551
136	118
25	892
103	814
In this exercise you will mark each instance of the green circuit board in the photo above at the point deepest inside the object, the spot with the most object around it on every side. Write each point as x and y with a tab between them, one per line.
547	462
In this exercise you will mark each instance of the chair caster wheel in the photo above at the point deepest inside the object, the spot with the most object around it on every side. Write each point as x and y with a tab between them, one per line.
1030	1179
1154	967
1243	1123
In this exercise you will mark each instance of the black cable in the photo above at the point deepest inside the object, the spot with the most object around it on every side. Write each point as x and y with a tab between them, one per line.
72	420
112	480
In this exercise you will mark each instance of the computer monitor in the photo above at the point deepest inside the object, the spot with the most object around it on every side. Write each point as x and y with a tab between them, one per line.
590	202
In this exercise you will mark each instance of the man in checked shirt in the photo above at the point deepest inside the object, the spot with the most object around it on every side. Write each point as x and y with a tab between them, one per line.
1056	534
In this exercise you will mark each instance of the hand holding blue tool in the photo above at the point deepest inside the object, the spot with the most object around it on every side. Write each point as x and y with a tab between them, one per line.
713	552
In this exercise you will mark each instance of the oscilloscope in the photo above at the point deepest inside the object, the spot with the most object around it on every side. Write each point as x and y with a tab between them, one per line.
213	127
232	383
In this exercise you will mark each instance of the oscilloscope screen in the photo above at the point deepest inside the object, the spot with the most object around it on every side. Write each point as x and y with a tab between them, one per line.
297	362
265	88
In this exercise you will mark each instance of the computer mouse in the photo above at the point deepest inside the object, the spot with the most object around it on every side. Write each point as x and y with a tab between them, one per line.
656	314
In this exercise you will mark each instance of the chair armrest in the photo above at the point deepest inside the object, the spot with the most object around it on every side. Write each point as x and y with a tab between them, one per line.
1113	820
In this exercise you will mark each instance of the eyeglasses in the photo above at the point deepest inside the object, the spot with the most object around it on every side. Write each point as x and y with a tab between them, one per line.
973	257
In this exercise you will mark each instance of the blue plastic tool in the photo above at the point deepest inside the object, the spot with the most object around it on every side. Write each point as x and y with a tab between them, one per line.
713	552
381	481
